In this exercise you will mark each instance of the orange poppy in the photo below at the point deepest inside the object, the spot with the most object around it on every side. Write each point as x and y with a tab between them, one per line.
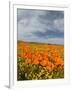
44	62
21	55
35	62
27	61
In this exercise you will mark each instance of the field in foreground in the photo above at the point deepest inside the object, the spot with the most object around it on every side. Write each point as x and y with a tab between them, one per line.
39	61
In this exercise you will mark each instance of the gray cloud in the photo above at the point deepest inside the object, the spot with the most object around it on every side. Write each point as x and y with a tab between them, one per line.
37	25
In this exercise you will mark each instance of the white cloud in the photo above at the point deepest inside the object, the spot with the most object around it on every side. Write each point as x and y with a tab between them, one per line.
59	24
56	40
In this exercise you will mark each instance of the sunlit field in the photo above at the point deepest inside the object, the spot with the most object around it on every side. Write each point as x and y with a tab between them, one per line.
37	61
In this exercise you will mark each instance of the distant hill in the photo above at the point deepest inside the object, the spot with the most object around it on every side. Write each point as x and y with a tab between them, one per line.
37	43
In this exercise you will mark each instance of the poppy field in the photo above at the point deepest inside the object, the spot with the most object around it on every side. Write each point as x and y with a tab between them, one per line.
36	61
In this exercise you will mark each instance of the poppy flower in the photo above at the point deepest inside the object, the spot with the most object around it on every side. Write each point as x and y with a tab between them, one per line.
27	61
21	55
44	62
35	62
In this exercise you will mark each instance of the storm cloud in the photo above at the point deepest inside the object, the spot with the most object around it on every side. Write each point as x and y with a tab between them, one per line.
46	26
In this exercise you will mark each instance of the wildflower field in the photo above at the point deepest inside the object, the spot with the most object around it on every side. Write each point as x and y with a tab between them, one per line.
37	61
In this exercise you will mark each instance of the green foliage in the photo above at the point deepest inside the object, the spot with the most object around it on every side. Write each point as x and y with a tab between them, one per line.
37	72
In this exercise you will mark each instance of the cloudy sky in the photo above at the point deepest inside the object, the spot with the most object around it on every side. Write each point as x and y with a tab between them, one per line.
44	26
